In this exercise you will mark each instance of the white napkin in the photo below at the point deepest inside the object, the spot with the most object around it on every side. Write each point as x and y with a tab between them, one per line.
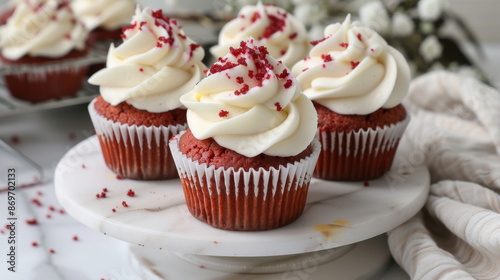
456	129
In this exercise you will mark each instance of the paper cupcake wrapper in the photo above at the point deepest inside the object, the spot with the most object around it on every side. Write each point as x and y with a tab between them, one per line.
232	199
361	155
136	152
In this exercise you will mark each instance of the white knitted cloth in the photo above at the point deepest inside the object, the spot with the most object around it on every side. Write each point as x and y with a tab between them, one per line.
456	129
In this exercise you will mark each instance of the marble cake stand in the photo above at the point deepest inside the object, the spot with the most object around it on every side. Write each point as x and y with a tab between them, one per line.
337	215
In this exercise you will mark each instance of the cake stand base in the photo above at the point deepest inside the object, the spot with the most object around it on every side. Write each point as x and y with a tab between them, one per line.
368	259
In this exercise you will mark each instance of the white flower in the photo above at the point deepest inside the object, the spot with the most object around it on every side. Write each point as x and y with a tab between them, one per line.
309	14
430	48
430	9
426	27
375	16
402	25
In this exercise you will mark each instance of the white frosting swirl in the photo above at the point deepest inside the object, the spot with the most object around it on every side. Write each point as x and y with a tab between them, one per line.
353	71
283	35
250	103
107	14
41	28
153	67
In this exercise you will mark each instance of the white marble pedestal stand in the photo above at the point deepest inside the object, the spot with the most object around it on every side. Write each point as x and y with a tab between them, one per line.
337	235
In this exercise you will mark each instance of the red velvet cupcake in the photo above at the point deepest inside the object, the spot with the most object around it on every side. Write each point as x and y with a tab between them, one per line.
53	67
139	108
246	162
104	18
357	83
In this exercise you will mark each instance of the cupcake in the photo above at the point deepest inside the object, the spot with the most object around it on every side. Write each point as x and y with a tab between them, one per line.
246	160
139	108
43	45
104	18
282	34
356	82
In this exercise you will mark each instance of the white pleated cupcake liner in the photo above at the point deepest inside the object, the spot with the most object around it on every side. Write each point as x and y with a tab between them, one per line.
245	200
358	155
138	152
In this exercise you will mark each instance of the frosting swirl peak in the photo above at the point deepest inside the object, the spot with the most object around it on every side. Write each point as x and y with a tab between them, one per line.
153	67
250	103
283	35
353	71
108	14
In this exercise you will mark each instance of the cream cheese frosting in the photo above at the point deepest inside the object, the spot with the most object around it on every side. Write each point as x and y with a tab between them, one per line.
153	67
46	28
353	71
250	103
282	34
107	14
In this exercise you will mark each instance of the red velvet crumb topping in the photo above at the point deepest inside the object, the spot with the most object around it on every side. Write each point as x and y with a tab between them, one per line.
314	43
131	193
223	113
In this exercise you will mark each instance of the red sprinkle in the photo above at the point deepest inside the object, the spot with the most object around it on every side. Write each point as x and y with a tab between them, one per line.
223	113
52	251
293	36
105	190
39	193
242	61
131	193
34	244
305	69
255	17
124	204
83	166
114	210
67	36
366	183
359	37
278	106
372	50
283	52
182	36
119	177
276	24
15	139
141	69
243	90
51	208
75	238
344	45
205	71
142	24
32	221
284	74
354	64
227	75
36	202
61	211
326	57
157	13
288	84
314	43
239	80
103	194
48	216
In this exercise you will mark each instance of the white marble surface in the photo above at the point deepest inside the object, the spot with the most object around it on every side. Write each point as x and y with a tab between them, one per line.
336	213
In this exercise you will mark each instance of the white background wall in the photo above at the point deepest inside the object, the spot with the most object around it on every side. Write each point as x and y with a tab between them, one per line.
482	16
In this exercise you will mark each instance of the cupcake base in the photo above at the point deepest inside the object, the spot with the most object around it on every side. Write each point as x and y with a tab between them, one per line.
135	152
239	200
46	78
